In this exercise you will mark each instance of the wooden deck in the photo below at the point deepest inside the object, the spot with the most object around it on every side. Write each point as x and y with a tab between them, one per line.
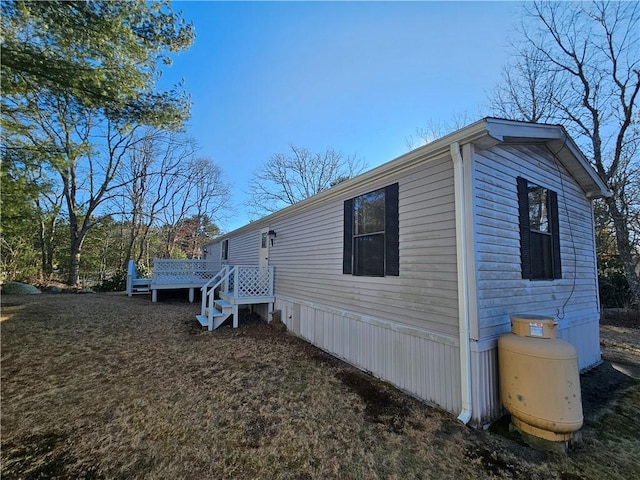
177	274
224	288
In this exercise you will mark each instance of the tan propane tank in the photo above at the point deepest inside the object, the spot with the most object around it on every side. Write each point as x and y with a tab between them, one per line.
539	379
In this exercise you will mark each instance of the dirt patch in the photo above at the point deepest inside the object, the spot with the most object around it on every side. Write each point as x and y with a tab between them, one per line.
381	405
599	386
42	456
258	430
494	463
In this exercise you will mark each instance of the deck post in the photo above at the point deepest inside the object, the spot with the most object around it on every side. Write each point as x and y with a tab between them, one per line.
154	295
235	315
191	295
236	276
225	284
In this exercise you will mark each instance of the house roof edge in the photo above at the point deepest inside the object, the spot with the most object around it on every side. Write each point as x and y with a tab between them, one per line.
483	133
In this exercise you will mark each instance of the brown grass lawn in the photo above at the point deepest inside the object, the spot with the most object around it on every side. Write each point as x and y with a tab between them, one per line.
105	386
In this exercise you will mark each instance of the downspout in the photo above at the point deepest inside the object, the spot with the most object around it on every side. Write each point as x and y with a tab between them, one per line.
463	286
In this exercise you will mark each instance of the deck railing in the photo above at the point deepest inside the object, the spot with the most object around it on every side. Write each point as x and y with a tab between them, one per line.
249	281
184	272
209	289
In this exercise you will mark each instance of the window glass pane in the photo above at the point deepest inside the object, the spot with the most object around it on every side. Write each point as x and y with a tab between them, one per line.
263	241
368	212
538	209
369	255
542	258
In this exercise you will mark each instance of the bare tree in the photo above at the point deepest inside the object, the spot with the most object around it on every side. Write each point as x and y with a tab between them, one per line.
48	205
528	91
579	65
197	190
286	179
434	129
151	177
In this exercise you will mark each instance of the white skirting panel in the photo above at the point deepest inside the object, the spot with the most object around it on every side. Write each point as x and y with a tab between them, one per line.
584	335
419	362
486	382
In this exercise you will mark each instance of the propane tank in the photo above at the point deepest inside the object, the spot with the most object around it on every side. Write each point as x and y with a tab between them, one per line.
539	379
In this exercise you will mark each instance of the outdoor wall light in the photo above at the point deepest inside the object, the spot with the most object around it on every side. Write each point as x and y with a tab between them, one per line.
272	235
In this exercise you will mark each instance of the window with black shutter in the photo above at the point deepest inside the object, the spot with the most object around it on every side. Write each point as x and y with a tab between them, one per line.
371	246
539	231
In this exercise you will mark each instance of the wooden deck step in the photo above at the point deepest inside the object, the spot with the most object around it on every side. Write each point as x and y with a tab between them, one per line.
218	319
216	312
204	321
222	303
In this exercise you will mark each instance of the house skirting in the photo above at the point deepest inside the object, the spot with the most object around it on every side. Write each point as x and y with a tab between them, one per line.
419	362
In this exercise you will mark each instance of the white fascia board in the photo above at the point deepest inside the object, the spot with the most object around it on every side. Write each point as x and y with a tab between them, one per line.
599	188
506	130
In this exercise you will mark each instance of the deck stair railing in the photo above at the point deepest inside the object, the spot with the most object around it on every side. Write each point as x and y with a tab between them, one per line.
238	284
214	310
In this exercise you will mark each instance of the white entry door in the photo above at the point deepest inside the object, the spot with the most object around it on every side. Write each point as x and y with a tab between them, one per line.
264	247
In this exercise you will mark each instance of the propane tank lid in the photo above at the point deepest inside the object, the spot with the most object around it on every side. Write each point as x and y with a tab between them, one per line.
535	326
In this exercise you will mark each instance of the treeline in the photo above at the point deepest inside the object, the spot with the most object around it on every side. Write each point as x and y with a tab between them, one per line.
106	252
162	202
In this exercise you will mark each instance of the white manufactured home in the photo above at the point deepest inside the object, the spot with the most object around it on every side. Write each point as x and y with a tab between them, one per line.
412	270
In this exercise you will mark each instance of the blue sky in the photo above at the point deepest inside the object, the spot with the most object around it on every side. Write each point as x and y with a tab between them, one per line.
359	77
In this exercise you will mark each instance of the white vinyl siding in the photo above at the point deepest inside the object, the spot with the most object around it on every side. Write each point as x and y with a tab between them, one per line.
500	287
244	248
403	329
308	256
213	251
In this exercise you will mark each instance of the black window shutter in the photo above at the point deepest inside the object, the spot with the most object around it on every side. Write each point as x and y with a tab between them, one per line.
525	243
391	231
555	233
347	250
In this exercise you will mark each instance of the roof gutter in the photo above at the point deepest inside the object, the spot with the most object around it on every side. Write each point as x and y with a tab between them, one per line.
463	285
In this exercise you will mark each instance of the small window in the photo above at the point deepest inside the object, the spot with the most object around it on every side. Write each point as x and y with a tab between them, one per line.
371	246
539	232
263	240
225	249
